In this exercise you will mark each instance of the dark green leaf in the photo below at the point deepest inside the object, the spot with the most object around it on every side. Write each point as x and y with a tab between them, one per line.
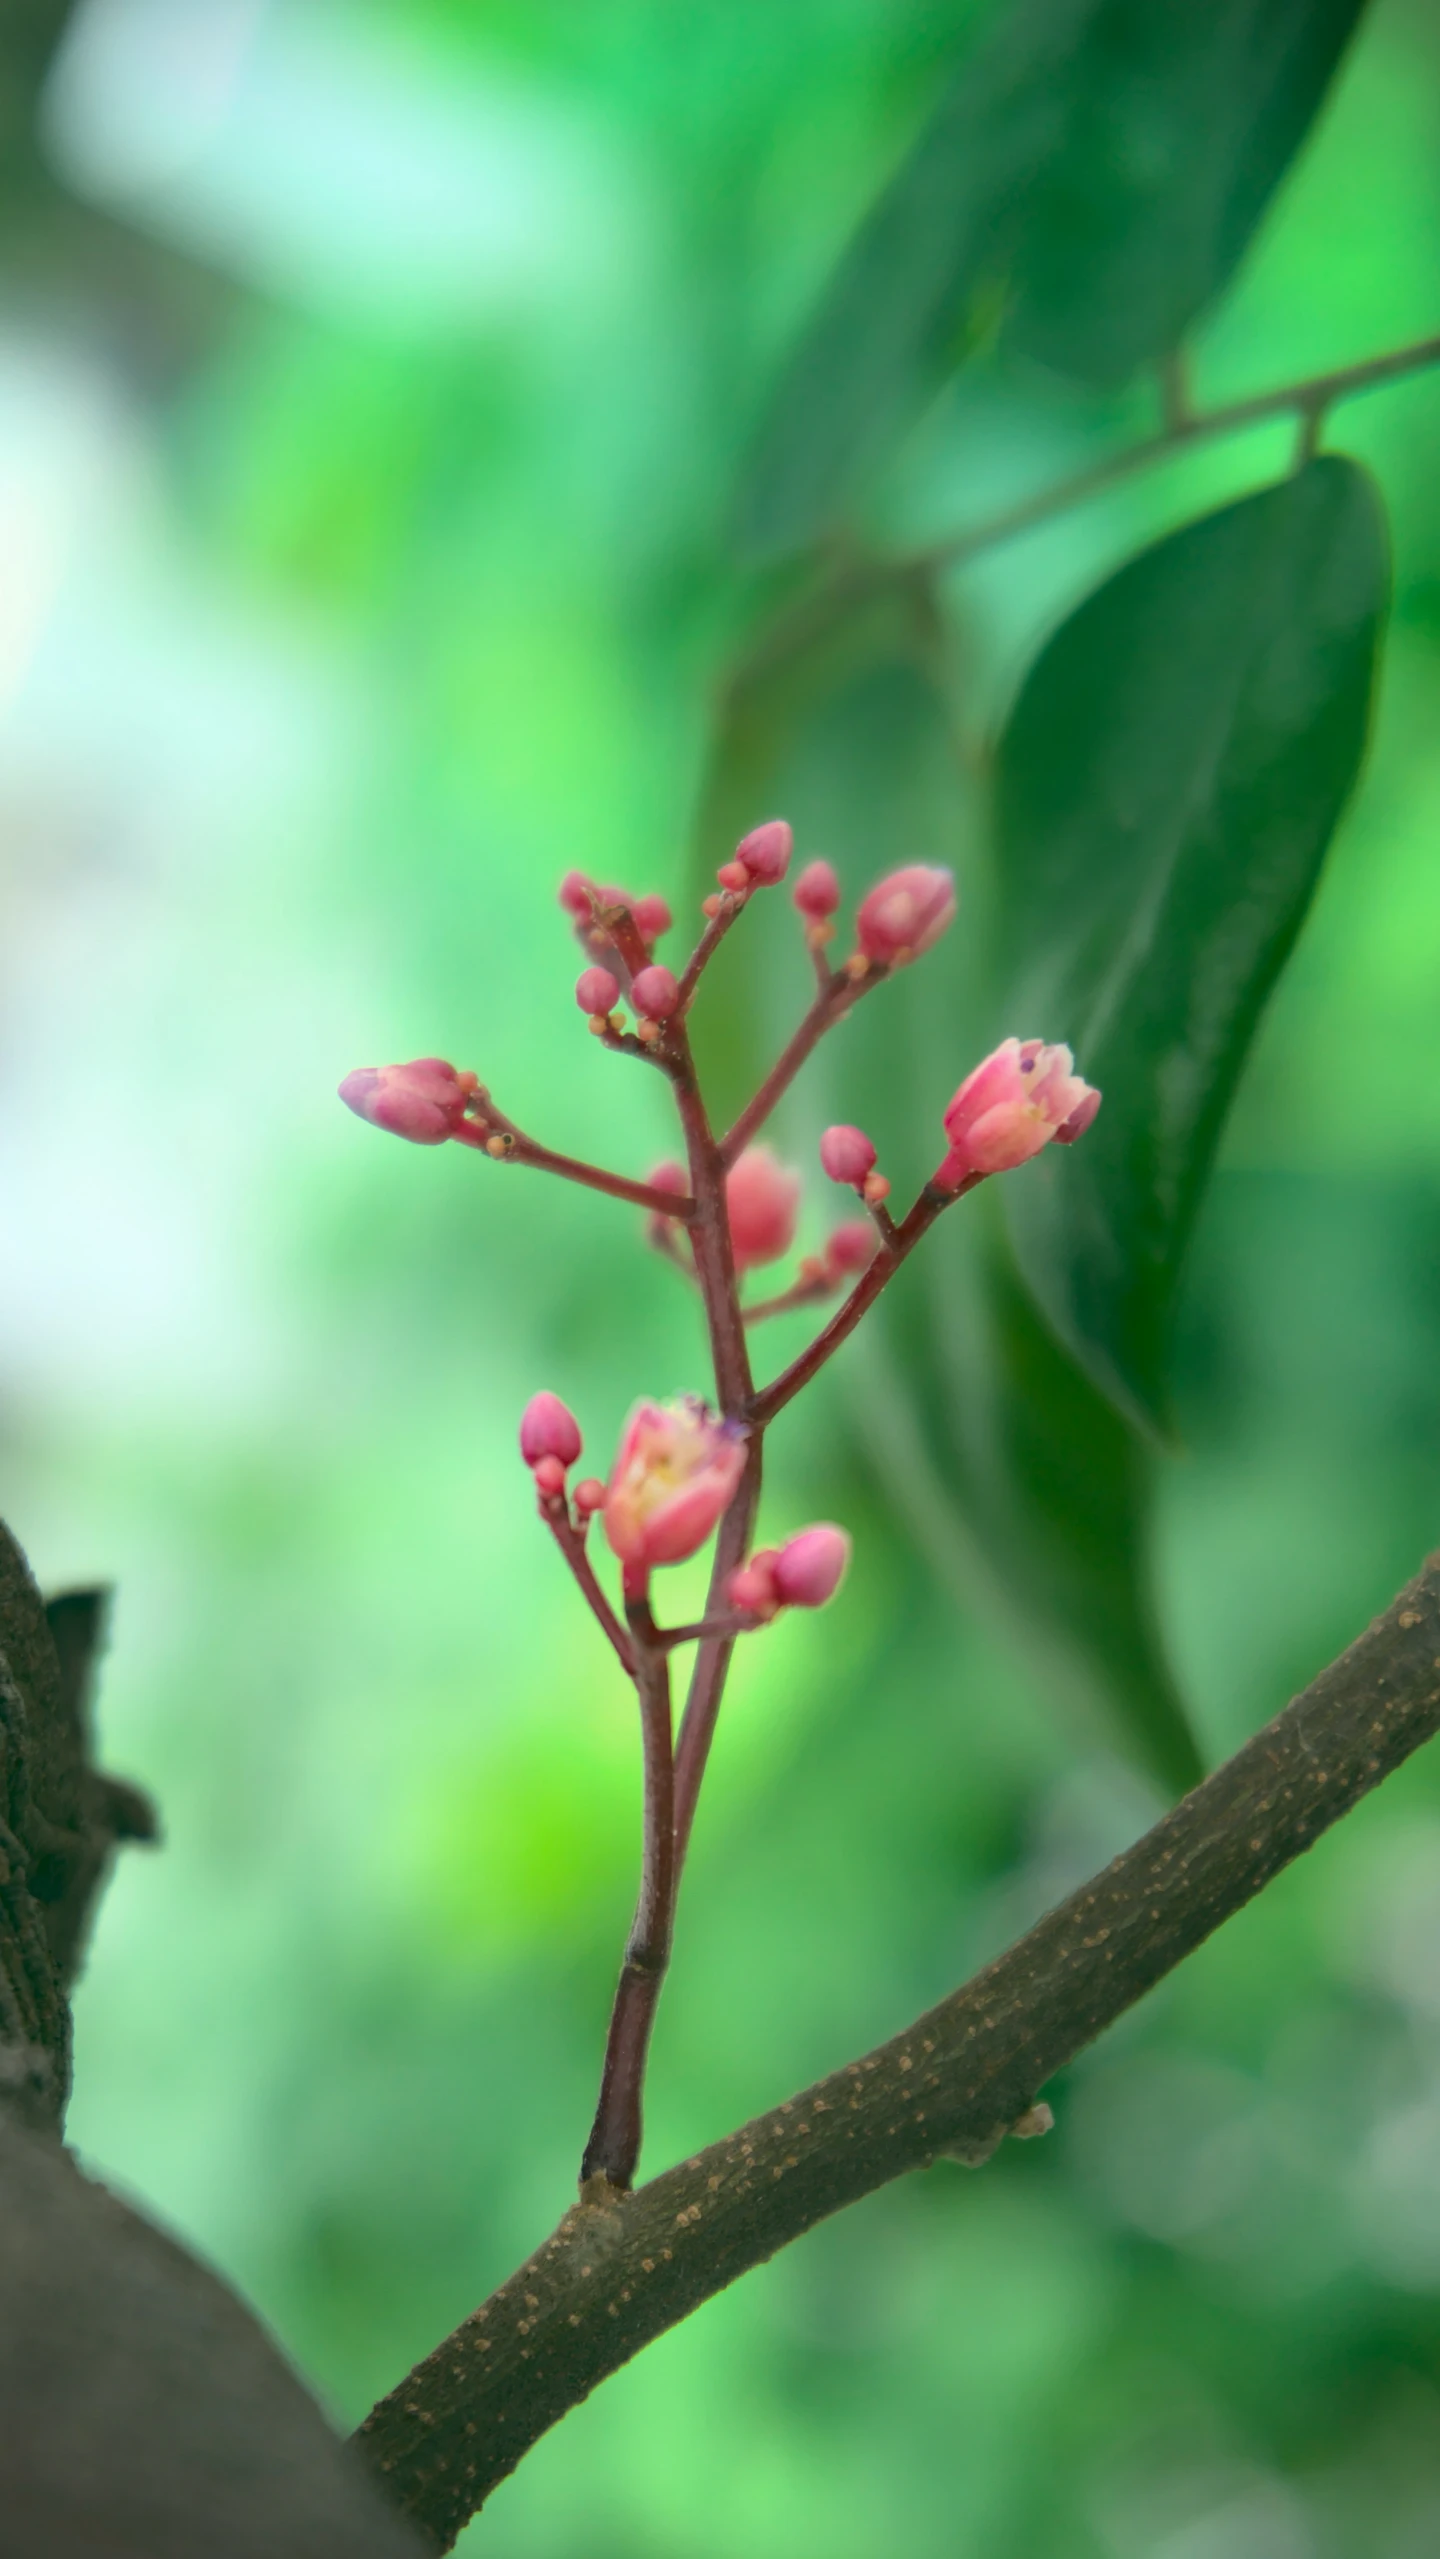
1093	174
1182	122
1168	783
903	302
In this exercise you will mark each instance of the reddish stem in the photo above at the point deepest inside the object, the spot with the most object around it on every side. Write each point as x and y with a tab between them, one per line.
712	1662
773	1398
572	1546
838	991
730	1622
499	1138
614	2144
710	1236
804	1292
733	903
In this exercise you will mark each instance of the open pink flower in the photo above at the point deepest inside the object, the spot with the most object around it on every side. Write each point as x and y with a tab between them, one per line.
675	1471
1015	1101
424	1101
763	1201
905	913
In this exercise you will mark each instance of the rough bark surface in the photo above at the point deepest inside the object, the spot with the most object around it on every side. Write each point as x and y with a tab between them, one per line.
60	1822
620	2269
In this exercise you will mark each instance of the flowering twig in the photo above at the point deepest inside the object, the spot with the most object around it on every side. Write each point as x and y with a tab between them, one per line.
684	1472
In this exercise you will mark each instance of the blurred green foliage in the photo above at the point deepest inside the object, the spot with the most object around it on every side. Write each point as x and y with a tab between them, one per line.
338	641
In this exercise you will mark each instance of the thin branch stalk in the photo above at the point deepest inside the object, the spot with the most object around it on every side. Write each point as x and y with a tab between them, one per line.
852	580
837	992
894	1248
614	2144
1311	396
568	1538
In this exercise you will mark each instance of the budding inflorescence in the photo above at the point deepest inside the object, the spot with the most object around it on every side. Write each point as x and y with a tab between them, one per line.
689	1469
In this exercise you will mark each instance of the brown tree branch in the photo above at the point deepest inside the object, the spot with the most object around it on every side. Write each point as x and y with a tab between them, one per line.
621	2269
850	580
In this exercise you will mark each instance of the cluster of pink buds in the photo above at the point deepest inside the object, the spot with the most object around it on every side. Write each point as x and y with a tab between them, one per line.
689	1470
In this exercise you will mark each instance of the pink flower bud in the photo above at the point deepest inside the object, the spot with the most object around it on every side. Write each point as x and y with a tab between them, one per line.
764	854
763	1201
852	1247
424	1101
652	917
656	992
752	1585
817	892
905	913
589	1495
549	1478
675	1472
548	1428
1013	1103
576	893
847	1154
733	875
808	1569
669	1176
596	991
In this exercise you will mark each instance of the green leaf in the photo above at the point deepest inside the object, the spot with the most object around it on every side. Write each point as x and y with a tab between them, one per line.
1090	178
1182	122
1168	783
902	305
1023	1483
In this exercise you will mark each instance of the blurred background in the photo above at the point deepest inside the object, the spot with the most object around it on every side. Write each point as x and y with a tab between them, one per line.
371	385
